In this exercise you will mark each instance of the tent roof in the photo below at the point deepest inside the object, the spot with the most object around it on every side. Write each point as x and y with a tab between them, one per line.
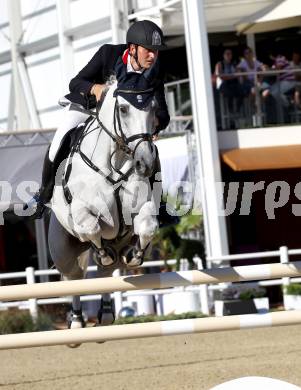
281	14
224	15
221	15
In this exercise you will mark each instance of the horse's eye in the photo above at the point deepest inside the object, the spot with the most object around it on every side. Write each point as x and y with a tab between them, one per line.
124	109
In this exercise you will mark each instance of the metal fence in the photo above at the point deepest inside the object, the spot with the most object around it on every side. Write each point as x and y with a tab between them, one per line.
270	101
205	293
31	276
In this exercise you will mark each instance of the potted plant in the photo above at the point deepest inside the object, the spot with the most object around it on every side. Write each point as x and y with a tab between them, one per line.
292	296
173	242
258	295
241	300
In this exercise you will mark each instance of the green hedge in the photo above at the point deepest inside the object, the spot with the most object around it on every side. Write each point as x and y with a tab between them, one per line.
292	289
149	318
252	293
13	321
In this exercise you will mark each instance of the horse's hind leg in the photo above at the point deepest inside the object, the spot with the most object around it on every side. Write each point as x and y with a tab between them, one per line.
66	251
76	319
70	257
106	312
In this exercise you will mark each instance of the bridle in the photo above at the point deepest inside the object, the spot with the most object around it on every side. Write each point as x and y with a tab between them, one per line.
118	136
120	139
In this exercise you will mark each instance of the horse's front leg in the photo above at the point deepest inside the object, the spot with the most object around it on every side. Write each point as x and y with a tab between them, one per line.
145	226
87	225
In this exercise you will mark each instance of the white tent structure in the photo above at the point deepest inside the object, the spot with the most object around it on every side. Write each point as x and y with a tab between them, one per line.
62	41
282	14
223	15
220	15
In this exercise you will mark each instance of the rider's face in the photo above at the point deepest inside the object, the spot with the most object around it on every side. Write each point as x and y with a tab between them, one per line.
146	57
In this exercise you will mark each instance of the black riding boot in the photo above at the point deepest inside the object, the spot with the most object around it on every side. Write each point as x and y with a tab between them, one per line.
44	195
166	216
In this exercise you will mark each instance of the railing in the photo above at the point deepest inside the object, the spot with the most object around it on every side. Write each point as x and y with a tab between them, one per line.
179	106
178	125
178	97
271	101
256	109
30	275
204	291
283	254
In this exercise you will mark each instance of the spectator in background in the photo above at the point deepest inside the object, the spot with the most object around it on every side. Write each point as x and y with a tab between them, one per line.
227	82
284	88
295	64
250	65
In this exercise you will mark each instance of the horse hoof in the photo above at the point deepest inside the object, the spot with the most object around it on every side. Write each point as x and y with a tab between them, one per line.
73	345
106	261
104	257
105	315
135	261
76	321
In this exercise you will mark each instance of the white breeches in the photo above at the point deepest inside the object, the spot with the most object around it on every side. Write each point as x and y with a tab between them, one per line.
70	120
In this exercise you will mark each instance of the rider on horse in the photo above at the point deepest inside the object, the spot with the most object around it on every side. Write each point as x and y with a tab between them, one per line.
140	55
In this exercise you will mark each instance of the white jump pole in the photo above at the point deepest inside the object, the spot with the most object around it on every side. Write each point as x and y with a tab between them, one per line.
140	282
149	329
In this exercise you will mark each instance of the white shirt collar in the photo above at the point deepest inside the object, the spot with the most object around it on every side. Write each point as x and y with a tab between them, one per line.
129	67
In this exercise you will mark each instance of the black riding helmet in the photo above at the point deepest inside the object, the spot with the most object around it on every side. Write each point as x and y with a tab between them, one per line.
147	34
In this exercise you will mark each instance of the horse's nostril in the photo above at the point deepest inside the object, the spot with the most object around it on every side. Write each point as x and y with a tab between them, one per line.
138	164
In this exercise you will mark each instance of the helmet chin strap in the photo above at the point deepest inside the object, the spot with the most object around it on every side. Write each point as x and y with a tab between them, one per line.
136	58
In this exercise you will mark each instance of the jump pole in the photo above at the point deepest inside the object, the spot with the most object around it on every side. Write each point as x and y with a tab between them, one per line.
151	281
150	329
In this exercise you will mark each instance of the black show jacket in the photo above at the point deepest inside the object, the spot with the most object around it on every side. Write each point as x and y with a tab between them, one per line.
98	71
